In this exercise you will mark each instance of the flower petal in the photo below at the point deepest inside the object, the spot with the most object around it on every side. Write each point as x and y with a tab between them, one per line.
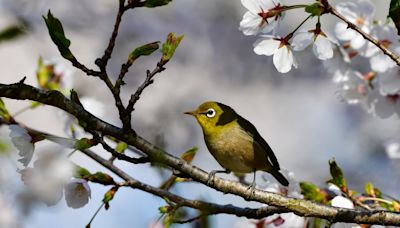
266	46
302	40
343	33
283	59
381	63
22	141
340	201
77	193
250	24
323	48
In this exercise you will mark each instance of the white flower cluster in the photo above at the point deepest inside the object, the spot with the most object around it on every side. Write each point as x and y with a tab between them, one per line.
364	74
51	174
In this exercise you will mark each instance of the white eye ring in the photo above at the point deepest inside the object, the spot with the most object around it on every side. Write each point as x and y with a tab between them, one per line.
210	113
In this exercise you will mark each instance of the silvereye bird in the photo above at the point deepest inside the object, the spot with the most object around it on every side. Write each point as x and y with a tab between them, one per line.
235	143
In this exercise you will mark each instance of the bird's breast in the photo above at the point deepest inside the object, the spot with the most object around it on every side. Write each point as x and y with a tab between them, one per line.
232	147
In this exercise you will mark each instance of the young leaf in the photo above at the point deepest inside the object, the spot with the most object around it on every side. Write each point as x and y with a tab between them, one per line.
121	147
143	50
156	3
315	9
369	189
4	112
109	196
337	175
56	32
11	32
189	155
312	192
81	172
102	178
84	143
170	45
394	13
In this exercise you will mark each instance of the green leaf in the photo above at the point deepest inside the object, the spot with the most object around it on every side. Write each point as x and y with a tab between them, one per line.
170	45
4	112
102	178
189	155
394	13
56	32
84	143
315	9
337	176
81	172
143	50
156	3
108	196
369	189
121	147
11	32
312	192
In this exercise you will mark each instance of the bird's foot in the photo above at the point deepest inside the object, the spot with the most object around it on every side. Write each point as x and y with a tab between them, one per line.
251	188
211	176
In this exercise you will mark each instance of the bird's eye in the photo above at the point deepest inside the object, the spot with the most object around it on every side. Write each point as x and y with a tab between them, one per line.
210	113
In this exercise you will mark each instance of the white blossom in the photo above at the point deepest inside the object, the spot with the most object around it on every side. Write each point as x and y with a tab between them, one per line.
23	142
359	13
389	82
343	202
386	36
7	217
257	19
77	193
354	89
392	148
385	106
46	180
322	44
283	58
294	191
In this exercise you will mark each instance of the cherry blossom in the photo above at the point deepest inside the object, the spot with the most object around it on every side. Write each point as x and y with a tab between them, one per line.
322	44
361	14
387	36
23	142
260	17
389	82
46	180
392	148
77	193
385	106
354	89
281	50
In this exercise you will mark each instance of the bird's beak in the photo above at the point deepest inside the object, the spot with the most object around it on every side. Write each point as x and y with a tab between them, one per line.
192	113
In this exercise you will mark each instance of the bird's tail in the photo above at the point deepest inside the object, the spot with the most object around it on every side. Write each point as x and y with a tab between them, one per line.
278	176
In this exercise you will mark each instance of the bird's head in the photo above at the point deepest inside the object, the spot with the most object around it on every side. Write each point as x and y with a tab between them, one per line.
210	115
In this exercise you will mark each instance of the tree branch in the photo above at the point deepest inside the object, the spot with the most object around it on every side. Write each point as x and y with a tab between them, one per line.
205	207
300	207
148	81
329	9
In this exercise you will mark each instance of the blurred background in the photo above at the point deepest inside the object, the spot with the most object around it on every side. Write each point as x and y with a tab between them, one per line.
299	114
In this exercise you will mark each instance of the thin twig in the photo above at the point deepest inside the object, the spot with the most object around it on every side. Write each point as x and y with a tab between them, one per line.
190	220
148	81
385	50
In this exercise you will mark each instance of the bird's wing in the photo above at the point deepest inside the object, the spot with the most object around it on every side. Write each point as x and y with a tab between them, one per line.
247	126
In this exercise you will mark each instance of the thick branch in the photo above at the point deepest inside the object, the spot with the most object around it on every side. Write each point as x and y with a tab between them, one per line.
385	50
298	206
205	207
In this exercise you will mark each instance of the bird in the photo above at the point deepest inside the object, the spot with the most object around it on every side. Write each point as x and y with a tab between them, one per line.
235	143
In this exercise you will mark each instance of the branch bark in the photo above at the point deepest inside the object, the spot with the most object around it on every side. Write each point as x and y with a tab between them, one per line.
385	50
21	91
